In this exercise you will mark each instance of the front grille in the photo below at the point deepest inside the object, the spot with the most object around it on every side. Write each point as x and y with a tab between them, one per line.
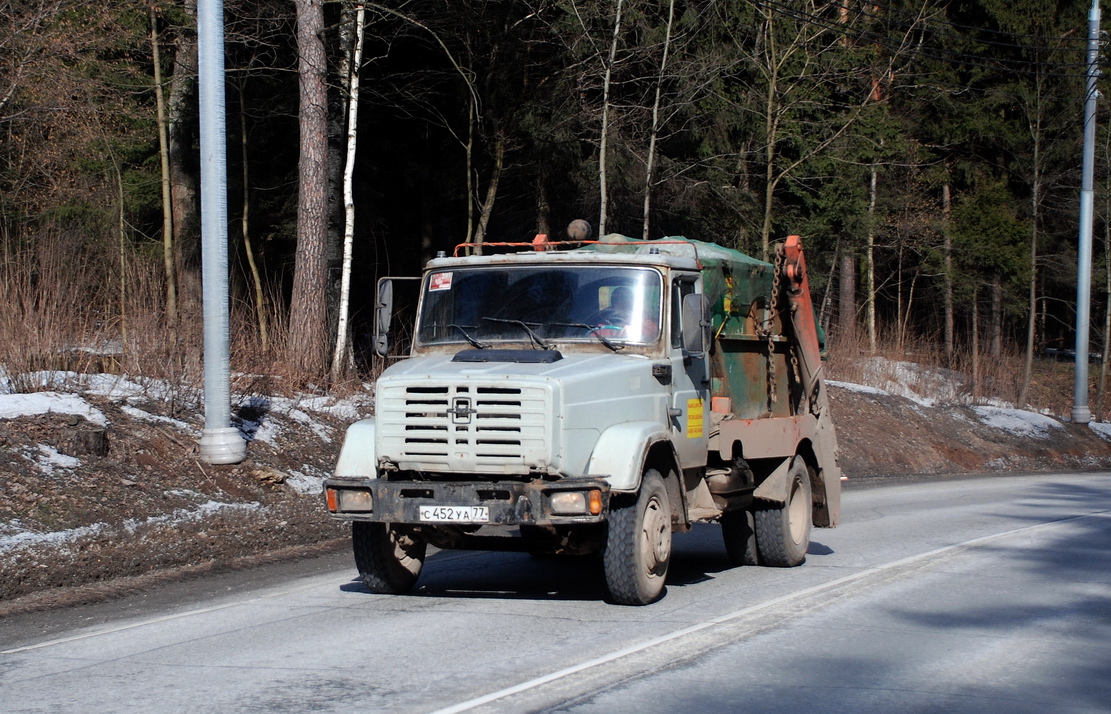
464	427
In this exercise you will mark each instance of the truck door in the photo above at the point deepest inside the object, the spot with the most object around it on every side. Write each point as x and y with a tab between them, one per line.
690	393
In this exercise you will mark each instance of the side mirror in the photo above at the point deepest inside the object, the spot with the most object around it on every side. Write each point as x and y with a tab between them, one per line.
696	324
383	314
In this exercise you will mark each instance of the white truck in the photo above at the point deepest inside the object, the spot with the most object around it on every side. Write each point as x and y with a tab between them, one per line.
595	397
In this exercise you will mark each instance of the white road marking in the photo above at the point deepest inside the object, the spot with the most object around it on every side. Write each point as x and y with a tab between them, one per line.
737	614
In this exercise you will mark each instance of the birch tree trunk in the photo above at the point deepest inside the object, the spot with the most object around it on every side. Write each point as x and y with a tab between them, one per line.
470	170
996	347
823	315
164	162
947	257
604	143
307	346
491	193
871	263
910	304
1035	126
121	227
651	163
337	138
342	350
975	342
899	295
543	209
261	317
1106	359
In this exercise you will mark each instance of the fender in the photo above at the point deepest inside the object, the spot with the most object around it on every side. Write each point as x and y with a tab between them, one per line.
774	487
620	451
358	455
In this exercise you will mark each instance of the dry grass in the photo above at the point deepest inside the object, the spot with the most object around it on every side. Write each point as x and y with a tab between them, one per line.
49	323
69	312
922	368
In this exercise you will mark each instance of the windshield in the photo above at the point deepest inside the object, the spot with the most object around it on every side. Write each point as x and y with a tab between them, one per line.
487	305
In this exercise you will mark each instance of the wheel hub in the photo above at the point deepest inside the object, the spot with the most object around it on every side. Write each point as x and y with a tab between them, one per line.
656	540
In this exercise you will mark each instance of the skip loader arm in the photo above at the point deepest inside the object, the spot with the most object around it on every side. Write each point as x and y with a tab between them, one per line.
796	289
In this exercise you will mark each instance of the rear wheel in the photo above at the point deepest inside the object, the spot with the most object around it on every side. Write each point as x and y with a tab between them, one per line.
389	560
783	532
738	530
638	543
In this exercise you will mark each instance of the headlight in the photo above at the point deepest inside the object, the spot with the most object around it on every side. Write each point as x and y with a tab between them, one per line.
350	500
576	503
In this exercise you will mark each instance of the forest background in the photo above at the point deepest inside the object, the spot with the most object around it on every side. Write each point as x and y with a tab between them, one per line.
928	152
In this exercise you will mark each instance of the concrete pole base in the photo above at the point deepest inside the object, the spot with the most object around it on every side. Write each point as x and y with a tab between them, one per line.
1081	415
223	446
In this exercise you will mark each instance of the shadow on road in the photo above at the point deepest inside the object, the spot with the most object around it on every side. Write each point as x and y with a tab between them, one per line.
696	557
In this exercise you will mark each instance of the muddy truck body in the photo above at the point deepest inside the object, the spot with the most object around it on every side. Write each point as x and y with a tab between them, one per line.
596	399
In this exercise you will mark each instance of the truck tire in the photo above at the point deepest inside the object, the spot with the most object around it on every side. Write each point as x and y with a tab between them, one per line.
783	532
738	530
389	560
638	543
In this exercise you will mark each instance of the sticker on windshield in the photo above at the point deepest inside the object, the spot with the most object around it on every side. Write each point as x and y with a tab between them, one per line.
439	281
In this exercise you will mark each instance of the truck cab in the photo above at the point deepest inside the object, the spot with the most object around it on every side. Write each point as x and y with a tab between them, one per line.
571	399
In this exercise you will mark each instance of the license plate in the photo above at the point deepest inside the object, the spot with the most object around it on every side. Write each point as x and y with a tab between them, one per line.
455	514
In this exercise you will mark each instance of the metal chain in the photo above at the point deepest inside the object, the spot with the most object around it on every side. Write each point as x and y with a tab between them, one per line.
770	328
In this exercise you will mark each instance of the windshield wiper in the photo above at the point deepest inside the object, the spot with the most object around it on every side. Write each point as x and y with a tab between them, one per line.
467	336
535	338
592	329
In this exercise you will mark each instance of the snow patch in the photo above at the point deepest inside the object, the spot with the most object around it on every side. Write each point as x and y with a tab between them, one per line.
185	493
323	432
23	538
308	481
17	405
858	388
925	386
1103	429
267	430
48	458
1017	421
136	413
185	515
30	539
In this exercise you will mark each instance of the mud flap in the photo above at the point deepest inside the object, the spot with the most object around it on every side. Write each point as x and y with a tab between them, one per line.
774	487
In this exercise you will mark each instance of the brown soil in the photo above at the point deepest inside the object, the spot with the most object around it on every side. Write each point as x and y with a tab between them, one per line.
140	494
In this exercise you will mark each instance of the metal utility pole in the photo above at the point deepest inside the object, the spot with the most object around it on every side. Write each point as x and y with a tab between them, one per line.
220	443
1080	412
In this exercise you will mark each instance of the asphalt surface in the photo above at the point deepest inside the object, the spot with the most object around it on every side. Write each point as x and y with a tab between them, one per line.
969	595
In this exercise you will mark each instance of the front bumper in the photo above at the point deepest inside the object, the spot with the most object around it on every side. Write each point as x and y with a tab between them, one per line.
510	503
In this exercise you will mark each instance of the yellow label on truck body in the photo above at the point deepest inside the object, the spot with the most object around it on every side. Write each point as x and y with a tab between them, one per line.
695	409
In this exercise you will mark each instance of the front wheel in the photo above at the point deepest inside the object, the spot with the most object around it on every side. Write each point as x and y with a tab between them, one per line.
638	544
389	560
783	532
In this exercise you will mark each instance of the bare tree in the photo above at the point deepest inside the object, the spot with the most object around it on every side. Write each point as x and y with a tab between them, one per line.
181	110
341	349
793	58
486	209
947	268
650	164
164	157
307	346
603	195
245	224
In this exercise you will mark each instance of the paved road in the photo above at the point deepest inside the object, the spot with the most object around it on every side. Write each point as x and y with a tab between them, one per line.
977	595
